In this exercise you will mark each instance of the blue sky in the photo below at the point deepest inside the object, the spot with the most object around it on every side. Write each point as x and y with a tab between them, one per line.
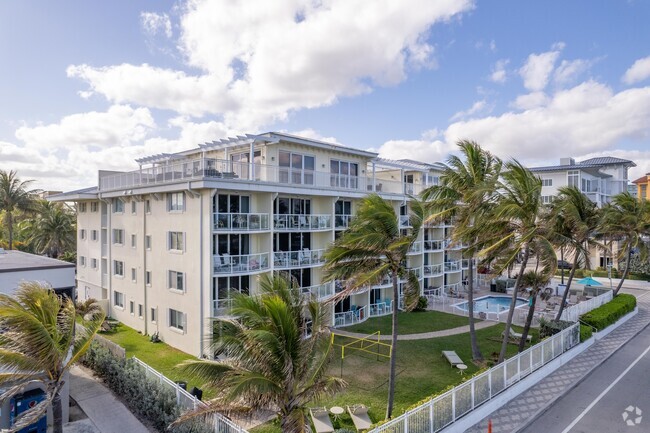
88	85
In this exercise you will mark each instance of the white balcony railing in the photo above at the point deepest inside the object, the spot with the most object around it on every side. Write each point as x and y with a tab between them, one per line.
221	307
298	259
319	292
227	264
453	288
431	246
433	270
416	247
347	318
381	308
302	222
241	221
453	266
342	222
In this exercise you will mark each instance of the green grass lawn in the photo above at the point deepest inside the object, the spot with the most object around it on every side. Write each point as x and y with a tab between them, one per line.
410	323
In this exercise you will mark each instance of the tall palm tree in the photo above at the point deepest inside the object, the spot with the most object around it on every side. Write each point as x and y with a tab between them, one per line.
515	229
372	248
14	196
627	220
464	194
53	230
43	338
270	363
574	220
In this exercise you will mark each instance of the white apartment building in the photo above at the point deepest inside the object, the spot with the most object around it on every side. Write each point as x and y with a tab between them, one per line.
166	245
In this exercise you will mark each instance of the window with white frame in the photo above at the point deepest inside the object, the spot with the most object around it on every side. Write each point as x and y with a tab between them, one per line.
176	241
118	236
118	268
93	206
147	278
118	299
94	235
133	207
133	240
82	261
134	274
82	207
573	178
118	205
132	307
547	182
82	233
176	201
296	168
154	314
93	263
176	280
140	311
147	242
176	320
548	199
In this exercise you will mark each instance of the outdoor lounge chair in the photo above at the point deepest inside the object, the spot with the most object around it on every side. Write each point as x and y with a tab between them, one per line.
359	415
320	418
517	335
452	357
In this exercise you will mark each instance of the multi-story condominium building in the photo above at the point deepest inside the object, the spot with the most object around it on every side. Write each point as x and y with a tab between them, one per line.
168	244
642	187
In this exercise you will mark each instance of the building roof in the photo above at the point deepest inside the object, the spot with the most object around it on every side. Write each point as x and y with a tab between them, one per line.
17	261
608	160
642	179
78	194
593	163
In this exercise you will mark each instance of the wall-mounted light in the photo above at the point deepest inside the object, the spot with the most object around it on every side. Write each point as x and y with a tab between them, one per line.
273	158
323	165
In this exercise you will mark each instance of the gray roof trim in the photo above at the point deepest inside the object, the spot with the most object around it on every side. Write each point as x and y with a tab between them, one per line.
321	144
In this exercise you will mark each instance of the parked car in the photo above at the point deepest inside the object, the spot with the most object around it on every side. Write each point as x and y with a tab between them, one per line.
563	264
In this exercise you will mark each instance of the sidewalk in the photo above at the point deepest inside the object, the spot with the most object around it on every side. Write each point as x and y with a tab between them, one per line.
525	407
106	414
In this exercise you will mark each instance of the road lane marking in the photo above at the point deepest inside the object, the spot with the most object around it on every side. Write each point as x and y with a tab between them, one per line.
602	394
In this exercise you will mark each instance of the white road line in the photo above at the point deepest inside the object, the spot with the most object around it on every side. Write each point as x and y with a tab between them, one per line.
602	394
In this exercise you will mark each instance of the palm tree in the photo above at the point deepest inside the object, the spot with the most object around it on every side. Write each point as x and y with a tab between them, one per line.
515	229
463	195
14	196
574	219
43	338
628	220
271	363
53	230
372	248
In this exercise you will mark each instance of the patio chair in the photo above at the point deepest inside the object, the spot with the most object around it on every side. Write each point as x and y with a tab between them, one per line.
452	357
320	418
359	415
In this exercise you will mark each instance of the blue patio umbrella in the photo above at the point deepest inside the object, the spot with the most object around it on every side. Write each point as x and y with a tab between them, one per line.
588	281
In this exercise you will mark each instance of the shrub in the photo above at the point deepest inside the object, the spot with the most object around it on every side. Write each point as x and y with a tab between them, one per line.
422	304
551	327
603	316
585	332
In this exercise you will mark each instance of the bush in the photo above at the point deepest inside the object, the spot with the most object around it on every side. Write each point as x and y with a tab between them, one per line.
551	327
585	332
603	316
422	304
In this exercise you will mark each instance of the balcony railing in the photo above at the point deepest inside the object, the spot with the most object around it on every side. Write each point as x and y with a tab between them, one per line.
381	308
452	266
298	259
221	307
302	222
319	292
416	247
465	263
227	264
433	270
342	222
347	318
404	221
453	288
430	246
241	221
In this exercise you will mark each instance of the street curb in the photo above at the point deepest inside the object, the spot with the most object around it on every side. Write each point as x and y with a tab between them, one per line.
548	405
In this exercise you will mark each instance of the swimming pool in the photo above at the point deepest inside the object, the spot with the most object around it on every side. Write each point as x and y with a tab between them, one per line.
491	304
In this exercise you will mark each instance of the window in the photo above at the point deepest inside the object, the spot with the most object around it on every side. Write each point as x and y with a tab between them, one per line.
134	274
133	207
140	311
93	263
154	315
147	206
342	213
176	241
230	203
82	207
118	205
176	281
223	287
118	268
176	320
431	179
118	299
343	174
548	199
147	278
82	233
93	206
295	206
573	178
132	307
147	242
94	235
82	261
118	236
176	201
133	240
547	182
296	168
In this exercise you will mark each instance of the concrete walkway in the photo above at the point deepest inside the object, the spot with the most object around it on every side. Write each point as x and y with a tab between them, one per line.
519	412
106	414
423	335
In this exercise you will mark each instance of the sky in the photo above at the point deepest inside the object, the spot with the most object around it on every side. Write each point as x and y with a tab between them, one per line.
94	85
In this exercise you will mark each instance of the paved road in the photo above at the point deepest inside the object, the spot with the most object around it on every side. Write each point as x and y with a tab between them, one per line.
597	404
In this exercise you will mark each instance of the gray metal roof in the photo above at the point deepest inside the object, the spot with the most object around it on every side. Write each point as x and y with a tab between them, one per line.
608	160
593	163
16	261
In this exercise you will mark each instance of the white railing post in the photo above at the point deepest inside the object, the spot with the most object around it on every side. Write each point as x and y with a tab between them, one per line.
453	405
406	423
431	429
490	383
505	375
473	390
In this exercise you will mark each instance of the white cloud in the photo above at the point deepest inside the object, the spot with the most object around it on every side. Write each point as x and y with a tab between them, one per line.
569	70
538	68
499	73
476	107
257	64
420	150
153	23
530	100
639	71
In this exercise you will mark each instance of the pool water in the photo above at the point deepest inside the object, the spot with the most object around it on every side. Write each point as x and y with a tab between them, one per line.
491	304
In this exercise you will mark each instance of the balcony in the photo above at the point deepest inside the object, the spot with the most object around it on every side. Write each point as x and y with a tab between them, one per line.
451	245
433	270
453	266
221	307
453	288
348	318
465	263
416	247
433	246
246	222
298	259
342	222
381	308
292	222
241	264
404	221
319	292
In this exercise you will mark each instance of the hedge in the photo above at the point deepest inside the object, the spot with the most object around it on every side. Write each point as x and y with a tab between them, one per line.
603	316
585	332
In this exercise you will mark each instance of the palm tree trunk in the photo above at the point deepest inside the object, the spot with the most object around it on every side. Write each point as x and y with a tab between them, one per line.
568	286
626	271
529	320
10	226
57	414
476	352
513	303
393	357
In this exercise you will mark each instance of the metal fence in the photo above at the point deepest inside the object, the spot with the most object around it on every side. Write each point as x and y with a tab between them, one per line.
574	312
186	401
445	409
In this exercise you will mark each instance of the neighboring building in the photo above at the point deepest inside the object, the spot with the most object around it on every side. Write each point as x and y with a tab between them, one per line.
17	266
642	187
169	243
631	188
